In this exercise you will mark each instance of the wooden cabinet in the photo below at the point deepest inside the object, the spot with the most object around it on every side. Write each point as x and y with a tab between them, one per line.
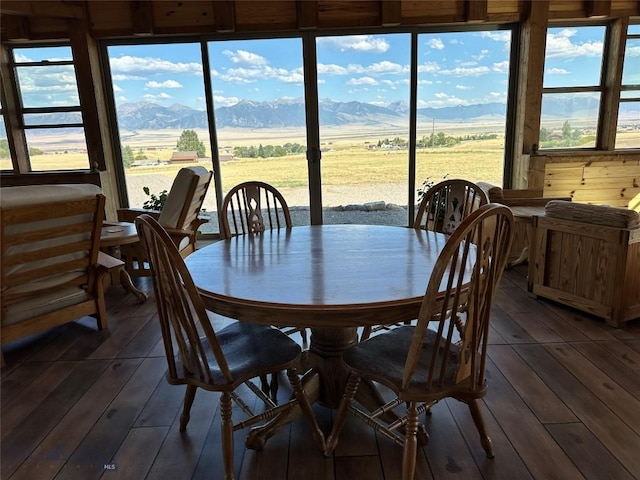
593	268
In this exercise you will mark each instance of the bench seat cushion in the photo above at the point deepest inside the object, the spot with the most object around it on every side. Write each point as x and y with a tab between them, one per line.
596	214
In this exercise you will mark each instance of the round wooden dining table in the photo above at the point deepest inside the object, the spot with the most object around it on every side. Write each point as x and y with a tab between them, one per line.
330	278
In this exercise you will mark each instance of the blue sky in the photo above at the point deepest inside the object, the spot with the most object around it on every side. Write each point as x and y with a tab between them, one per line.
454	69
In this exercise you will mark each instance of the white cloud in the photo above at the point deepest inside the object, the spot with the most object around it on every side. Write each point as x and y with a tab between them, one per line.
165	84
221	101
331	69
116	88
436	44
483	53
425	82
119	77
464	87
245	58
243	75
121	99
556	71
386	67
559	45
429	67
359	43
362	81
501	67
466	72
130	64
501	36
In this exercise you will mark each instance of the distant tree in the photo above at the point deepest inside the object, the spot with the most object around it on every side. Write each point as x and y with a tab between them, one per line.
36	151
127	156
140	155
544	135
189	142
566	131
4	148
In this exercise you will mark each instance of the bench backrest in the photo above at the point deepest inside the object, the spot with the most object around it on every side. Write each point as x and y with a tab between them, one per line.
615	183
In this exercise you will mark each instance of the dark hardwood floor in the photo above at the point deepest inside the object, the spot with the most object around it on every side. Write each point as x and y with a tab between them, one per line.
563	402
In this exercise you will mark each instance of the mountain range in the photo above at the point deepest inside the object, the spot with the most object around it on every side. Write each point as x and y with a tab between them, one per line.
291	113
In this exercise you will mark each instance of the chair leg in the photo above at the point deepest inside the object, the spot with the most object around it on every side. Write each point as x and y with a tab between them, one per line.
476	414
273	387
341	416
264	384
305	406
410	443
189	395
227	435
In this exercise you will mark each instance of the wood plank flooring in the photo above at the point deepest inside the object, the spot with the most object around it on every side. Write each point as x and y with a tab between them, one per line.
563	402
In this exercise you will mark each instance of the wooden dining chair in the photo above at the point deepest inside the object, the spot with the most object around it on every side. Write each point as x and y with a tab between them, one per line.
424	365
219	361
250	208
253	207
446	204
442	208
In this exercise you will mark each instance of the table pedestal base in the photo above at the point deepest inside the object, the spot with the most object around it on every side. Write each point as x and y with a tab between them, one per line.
324	382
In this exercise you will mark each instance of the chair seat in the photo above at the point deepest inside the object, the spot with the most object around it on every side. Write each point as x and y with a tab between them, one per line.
382	358
251	350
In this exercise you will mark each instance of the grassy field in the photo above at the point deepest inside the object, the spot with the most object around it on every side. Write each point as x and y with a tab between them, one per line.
347	163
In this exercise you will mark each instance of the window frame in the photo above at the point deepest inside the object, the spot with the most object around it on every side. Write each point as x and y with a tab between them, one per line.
311	100
20	110
600	89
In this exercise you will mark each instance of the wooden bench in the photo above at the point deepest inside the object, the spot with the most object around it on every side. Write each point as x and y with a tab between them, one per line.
579	256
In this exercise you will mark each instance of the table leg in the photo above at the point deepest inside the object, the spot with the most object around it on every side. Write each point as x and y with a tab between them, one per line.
124	278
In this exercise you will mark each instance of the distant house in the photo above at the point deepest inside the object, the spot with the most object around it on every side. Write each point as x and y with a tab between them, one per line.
184	157
225	157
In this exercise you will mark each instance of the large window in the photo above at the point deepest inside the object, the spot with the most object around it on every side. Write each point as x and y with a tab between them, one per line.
370	144
572	87
463	84
363	96
50	108
628	129
162	119
258	95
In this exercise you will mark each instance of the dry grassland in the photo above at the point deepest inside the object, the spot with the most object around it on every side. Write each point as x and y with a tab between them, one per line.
351	171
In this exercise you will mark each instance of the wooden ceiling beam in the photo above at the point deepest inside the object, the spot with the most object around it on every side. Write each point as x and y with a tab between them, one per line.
391	13
307	14
224	15
597	8
475	10
15	28
59	8
142	15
